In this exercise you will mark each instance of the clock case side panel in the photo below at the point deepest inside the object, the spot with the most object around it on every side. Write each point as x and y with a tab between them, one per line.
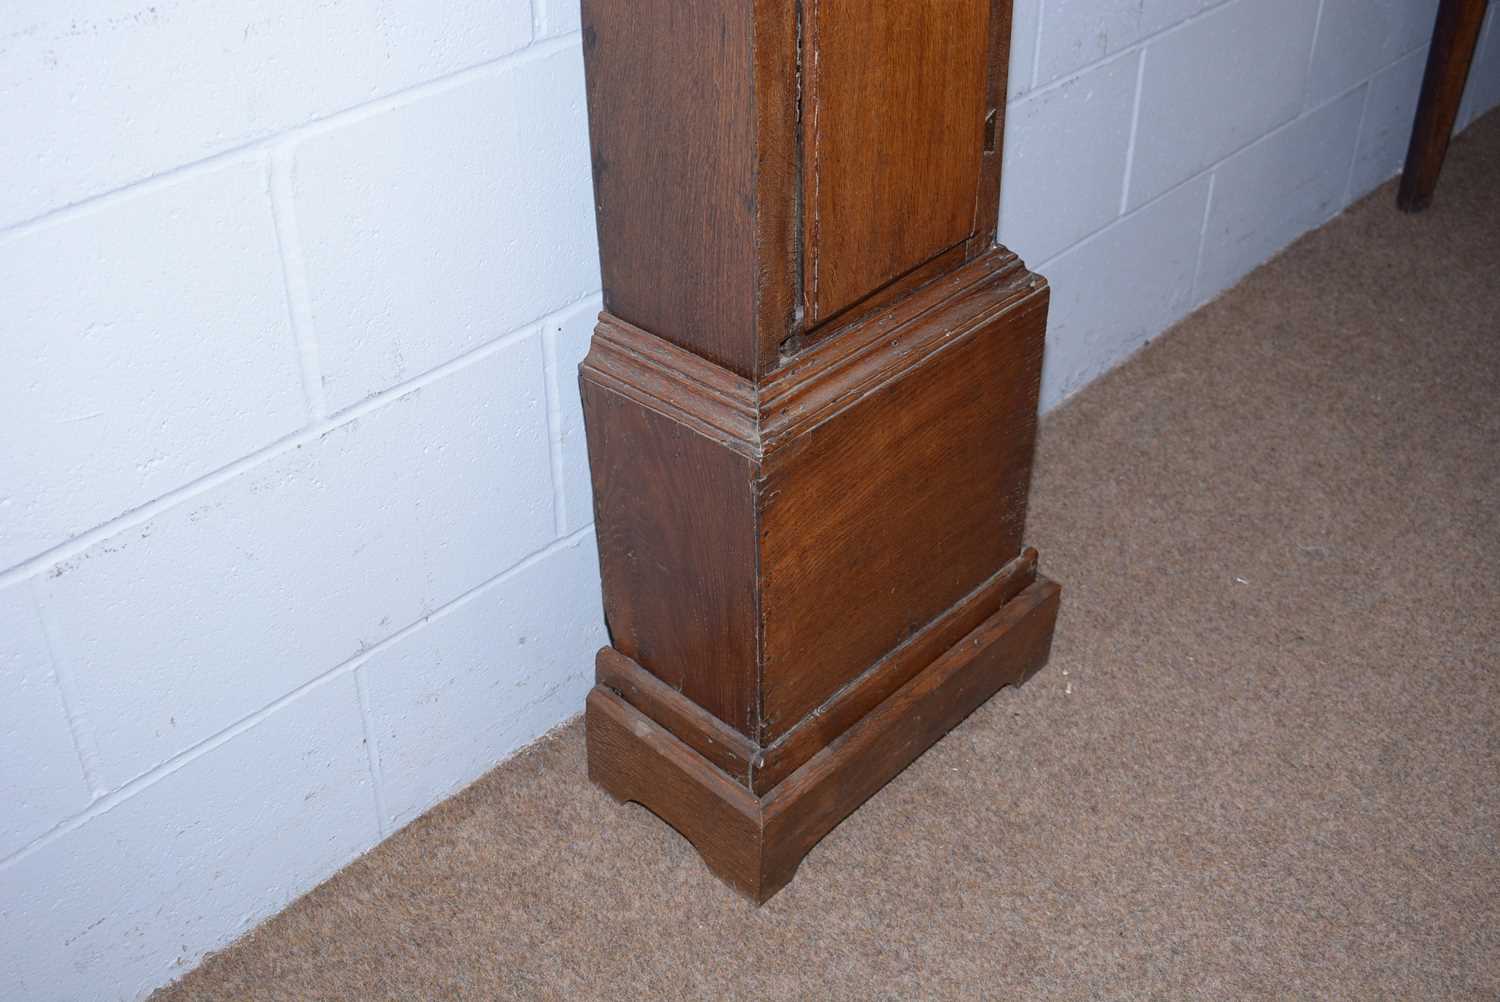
673	457
692	122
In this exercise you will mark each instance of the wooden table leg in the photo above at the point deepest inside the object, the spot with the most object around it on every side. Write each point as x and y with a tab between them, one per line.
1453	43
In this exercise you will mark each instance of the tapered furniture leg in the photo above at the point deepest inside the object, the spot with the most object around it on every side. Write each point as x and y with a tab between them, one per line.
811	406
1448	62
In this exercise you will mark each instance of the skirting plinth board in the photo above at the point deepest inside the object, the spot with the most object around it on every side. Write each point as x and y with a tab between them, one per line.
755	843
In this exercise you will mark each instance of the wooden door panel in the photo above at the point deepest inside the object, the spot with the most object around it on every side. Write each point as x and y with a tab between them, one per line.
894	120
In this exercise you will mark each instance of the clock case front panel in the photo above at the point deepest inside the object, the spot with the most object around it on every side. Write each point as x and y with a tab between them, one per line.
811	402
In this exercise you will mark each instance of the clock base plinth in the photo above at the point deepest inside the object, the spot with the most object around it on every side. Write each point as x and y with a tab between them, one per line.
756	843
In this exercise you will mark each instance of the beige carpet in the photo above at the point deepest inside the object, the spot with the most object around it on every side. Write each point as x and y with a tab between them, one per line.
1263	763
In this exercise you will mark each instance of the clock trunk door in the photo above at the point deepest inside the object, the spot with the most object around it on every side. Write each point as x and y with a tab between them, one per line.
895	123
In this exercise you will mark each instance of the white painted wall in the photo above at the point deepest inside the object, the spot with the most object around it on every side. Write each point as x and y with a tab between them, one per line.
294	512
1159	150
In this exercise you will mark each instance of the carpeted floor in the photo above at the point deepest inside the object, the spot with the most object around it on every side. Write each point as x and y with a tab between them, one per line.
1263	764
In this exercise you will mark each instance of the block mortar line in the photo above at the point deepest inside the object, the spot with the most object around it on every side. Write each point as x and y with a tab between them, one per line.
1093	235
1195	176
188	755
154	775
1312	55
1208	208
451	788
1275	128
85	743
303	436
1135	131
372	749
1359	141
1120	53
538	49
1036	46
294	279
554	425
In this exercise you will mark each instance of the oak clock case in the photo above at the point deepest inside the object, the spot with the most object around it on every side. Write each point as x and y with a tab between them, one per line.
811	408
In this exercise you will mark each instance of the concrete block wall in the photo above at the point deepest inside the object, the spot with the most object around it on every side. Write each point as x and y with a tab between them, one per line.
1159	150
295	525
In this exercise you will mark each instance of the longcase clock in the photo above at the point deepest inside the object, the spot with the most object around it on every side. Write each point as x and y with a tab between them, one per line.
811	408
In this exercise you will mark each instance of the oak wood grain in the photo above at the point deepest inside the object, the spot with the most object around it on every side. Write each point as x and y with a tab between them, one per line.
850	704
1005	650
755	844
896	97
692	121
897	503
987	205
634	759
761	769
726	748
675	517
810	400
763	546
